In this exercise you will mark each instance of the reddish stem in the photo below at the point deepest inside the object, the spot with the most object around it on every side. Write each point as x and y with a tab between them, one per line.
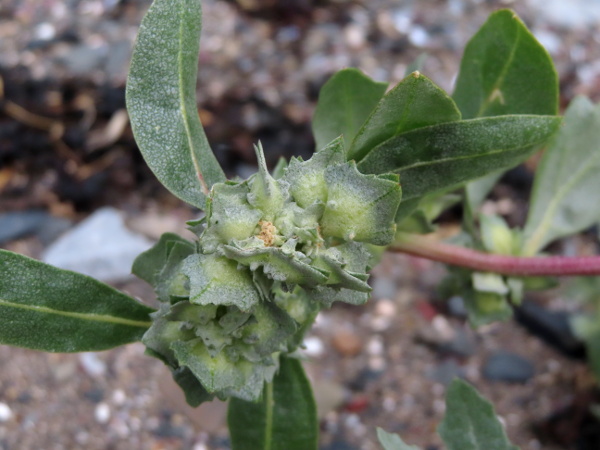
418	245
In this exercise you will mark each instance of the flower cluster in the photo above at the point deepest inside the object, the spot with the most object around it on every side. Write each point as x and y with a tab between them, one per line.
271	252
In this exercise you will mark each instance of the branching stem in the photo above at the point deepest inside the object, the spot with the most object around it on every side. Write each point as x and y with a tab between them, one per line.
424	247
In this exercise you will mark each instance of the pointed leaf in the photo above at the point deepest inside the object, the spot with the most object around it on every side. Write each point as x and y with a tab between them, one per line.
345	102
216	280
54	310
148	265
564	199
360	207
505	70
161	100
495	79
391	441
194	392
470	422
415	102
432	158
283	419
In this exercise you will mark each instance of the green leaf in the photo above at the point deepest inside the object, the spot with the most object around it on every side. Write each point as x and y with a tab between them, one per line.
390	441
345	102
505	70
497	237
194	392
495	78
360	207
283	419
432	158
147	265
564	199
415	102
486	307
161	100
470	422
54	310
216	280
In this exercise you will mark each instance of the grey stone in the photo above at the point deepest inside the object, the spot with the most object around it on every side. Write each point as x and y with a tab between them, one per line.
507	366
446	371
18	224
100	246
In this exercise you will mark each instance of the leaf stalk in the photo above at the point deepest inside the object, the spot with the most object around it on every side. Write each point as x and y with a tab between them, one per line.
424	247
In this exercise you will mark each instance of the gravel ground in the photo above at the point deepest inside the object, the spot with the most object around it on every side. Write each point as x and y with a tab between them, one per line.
378	365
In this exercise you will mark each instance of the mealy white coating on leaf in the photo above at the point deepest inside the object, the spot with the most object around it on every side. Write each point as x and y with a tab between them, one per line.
216	280
359	207
564	199
307	178
161	100
440	156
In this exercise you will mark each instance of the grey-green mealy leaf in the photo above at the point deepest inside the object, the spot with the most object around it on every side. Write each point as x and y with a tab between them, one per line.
432	158
161	100
470	422
147	265
565	191
345	102
283	419
54	310
414	103
505	70
391	441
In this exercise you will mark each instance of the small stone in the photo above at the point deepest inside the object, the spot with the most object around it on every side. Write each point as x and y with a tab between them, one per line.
92	365
102	413
445	372
100	246
383	287
347	343
456	307
119	397
15	225
375	346
509	367
313	346
5	412
385	308
553	327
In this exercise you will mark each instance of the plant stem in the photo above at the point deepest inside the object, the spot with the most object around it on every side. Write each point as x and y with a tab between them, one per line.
424	247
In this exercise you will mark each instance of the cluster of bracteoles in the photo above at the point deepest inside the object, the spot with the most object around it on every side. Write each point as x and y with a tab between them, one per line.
272	251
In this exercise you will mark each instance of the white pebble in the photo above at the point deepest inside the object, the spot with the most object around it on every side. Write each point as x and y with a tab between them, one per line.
102	413
375	346
5	412
313	346
92	365
385	308
119	397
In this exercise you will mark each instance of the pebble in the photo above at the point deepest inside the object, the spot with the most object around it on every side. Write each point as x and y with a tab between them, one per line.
375	346
385	308
445	372
457	307
553	327
102	413
383	287
101	246
119	397
347	343
92	365
509	367
5	412
18	224
313	346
